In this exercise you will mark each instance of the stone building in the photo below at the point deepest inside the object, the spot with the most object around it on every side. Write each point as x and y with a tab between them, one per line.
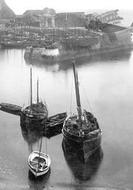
48	18
70	19
45	18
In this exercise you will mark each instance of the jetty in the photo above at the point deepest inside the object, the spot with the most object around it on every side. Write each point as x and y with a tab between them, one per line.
52	126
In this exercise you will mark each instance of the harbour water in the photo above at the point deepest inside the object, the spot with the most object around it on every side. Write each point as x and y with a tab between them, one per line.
106	86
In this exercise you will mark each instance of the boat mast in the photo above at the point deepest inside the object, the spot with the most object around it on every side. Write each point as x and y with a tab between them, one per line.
37	91
77	92
31	85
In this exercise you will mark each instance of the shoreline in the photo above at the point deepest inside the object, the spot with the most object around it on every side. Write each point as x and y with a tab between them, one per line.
67	55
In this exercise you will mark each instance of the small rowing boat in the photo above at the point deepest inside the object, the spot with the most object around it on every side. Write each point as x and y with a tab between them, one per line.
39	163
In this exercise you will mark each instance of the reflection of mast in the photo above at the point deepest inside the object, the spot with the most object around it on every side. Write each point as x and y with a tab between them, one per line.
31	85
37	91
39	152
77	92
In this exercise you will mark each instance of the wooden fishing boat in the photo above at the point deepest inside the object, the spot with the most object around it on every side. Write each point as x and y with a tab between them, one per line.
36	113
81	130
54	124
56	120
39	163
11	108
82	171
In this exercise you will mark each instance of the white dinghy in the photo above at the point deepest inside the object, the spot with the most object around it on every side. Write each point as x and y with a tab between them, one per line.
39	162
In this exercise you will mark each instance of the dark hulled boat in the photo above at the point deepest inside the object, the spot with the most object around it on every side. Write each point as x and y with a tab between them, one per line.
82	171
36	113
10	108
81	130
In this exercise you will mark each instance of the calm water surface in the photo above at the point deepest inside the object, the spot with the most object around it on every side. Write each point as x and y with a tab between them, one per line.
106	85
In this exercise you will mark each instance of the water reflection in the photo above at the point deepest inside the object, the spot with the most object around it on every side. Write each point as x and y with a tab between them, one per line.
109	57
38	183
109	88
32	137
118	55
82	171
53	67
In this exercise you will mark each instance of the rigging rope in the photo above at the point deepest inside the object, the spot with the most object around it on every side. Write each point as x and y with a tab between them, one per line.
46	146
71	97
87	100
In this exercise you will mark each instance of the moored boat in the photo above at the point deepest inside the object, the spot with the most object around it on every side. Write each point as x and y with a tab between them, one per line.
81	171
36	113
50	51
54	124
10	108
39	163
48	54
81	130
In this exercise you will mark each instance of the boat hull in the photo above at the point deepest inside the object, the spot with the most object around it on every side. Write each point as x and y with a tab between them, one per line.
39	172
54	124
84	146
82	171
31	122
11	108
32	118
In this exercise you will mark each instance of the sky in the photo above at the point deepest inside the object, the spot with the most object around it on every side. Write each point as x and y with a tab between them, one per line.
19	6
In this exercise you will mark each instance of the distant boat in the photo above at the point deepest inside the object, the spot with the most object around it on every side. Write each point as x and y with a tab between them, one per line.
81	130
46	54
39	162
50	51
35	113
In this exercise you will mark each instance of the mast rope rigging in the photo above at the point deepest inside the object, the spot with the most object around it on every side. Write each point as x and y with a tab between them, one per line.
46	146
37	100
86	97
71	97
31	85
40	147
